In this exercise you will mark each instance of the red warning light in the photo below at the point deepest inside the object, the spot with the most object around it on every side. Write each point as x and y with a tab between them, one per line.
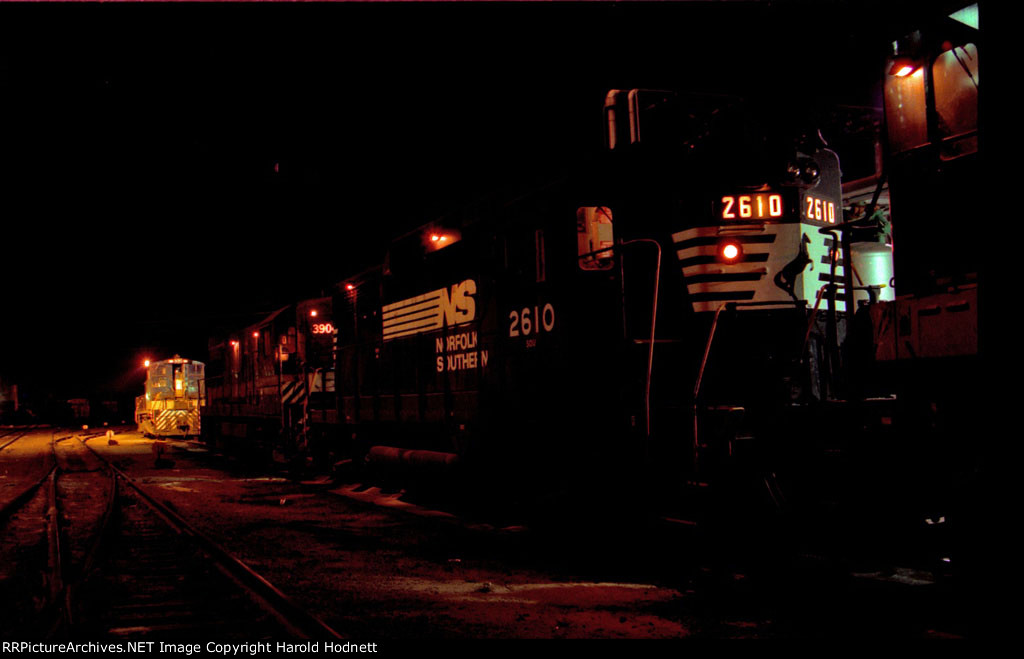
312	313
730	251
255	335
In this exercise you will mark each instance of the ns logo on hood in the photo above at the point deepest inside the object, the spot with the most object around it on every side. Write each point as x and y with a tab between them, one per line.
431	311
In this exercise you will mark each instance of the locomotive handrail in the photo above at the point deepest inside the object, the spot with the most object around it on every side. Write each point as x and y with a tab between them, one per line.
707	351
704	359
714	327
654	320
835	363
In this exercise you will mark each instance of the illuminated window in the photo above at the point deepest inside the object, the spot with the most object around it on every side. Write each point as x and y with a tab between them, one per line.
905	111
955	77
594	234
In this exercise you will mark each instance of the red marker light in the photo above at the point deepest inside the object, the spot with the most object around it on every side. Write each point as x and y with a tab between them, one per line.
730	251
313	313
255	335
146	363
350	287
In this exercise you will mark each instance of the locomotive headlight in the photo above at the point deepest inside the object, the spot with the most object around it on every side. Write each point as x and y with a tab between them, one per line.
810	172
729	251
803	170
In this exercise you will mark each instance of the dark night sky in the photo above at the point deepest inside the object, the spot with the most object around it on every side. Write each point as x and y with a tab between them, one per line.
140	203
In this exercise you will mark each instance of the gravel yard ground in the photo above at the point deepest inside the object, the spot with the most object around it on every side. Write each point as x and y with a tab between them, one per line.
374	566
383	564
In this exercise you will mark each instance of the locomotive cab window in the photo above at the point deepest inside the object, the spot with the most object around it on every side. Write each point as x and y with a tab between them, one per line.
905	107
955	76
594	237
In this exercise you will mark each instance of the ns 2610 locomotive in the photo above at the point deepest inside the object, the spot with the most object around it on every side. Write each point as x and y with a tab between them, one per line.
557	335
575	334
560	333
681	310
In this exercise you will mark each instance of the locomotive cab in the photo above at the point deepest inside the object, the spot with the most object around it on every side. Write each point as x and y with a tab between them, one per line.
172	403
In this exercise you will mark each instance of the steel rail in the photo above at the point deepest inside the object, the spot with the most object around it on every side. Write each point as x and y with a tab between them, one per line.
292	616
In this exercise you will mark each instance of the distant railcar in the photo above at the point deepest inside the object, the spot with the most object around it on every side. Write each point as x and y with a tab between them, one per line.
272	383
173	403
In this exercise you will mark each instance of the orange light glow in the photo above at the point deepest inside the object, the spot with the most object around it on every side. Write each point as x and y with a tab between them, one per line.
730	251
146	363
313	313
234	343
903	66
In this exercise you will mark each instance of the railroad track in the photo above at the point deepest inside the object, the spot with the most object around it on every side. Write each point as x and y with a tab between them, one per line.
26	538
10	435
98	558
155	574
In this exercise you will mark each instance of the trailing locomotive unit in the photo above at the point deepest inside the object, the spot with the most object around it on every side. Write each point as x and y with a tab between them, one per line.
559	337
922	353
174	398
271	384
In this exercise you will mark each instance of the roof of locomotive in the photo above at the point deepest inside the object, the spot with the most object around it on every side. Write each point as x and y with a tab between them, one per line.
177	359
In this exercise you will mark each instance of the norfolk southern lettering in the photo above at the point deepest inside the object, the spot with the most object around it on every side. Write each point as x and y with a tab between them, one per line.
458	352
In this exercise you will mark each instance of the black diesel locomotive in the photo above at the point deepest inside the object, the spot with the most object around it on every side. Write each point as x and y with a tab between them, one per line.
698	313
562	333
